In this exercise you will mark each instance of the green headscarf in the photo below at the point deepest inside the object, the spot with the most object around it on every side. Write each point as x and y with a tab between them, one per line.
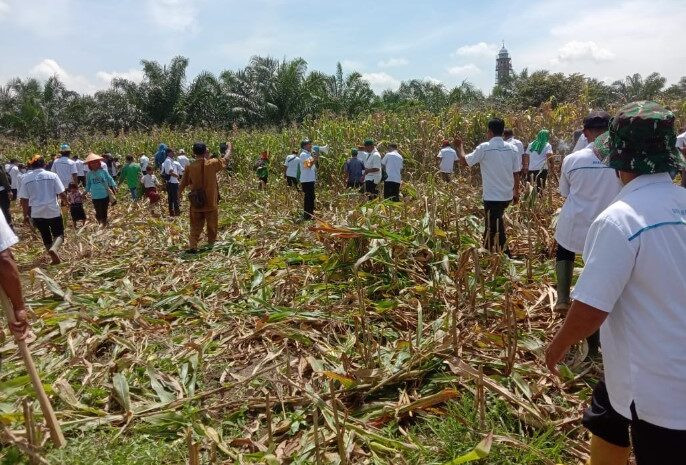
541	140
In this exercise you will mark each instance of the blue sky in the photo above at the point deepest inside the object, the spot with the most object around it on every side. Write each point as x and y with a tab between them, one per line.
87	42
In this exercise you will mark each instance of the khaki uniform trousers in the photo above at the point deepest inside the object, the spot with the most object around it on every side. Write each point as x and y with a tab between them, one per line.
198	220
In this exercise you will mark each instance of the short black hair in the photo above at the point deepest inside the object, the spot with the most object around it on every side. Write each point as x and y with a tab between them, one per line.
508	132
13	160
199	148
168	151
129	158
496	126
393	146
39	163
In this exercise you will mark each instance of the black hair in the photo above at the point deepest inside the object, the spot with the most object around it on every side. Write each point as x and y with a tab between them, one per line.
508	132
168	151
129	158
199	148
393	146
496	126
13	160
294	152
40	163
72	185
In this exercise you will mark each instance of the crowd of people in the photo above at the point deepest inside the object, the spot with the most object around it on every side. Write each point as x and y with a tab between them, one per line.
622	212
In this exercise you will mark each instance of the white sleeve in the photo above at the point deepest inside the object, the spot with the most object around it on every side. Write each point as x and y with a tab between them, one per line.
476	156
73	169
564	178
23	191
59	187
440	154
516	160
609	259
384	160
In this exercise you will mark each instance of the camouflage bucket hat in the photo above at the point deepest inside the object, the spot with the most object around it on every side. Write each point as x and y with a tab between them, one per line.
641	139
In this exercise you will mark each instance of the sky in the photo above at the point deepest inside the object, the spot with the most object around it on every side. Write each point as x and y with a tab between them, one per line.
88	42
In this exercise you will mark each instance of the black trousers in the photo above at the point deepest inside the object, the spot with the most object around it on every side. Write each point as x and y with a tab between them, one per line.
370	187
539	177
5	205
14	194
563	254
391	190
50	229
173	199
653	445
353	184
101	206
291	181
308	207
494	211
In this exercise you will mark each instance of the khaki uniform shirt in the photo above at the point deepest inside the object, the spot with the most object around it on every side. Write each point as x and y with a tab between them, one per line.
194	178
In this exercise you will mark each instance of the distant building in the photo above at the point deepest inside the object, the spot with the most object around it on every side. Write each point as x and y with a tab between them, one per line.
503	66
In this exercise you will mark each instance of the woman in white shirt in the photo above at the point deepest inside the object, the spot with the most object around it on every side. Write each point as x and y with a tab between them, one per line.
537	155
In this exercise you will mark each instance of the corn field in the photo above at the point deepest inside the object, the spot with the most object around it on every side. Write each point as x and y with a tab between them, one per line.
350	340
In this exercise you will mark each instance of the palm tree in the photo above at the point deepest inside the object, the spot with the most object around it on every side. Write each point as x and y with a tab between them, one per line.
636	88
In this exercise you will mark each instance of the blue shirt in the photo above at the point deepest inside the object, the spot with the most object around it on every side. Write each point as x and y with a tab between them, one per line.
97	183
354	168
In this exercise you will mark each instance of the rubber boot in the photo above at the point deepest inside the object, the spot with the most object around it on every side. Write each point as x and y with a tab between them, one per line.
605	453
564	270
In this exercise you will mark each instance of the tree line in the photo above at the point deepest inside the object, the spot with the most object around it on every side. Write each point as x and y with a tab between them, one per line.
279	93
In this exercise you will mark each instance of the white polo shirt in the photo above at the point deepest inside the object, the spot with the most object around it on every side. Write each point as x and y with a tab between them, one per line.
307	174
15	175
183	161
41	188
373	161
393	162
172	166
519	145
537	161
64	168
590	186
7	236
681	141
580	143
80	169
362	156
498	162
448	155
635	254
291	164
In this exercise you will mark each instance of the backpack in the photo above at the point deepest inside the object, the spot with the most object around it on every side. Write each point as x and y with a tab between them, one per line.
4	178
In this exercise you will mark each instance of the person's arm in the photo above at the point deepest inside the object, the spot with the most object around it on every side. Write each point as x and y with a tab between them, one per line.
25	209
88	182
11	284
564	186
515	193
184	182
63	197
111	182
582	320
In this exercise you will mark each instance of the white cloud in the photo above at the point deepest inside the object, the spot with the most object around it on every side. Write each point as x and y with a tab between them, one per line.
173	14
381	81
464	70
351	65
578	51
393	63
4	8
134	75
480	49
49	68
432	80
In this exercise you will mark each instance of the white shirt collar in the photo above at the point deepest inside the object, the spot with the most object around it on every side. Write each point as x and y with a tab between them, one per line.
643	181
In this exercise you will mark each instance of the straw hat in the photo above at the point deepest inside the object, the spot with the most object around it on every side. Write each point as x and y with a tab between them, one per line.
92	157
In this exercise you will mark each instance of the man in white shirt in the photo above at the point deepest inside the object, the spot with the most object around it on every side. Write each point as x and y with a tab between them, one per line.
40	190
171	172
681	145
362	154
372	169
144	162
393	164
183	160
10	279
500	165
80	170
632	288
64	167
509	137
290	169
590	187
15	175
308	177
447	157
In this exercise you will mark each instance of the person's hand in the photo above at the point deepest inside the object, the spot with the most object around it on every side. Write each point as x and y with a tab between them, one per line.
515	196
458	141
20	327
554	355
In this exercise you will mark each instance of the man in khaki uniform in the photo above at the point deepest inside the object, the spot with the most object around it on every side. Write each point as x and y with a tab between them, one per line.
201	176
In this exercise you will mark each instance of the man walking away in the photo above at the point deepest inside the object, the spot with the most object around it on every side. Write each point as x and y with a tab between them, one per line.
131	174
508	135
447	157
80	170
589	187
353	169
183	160
393	164
632	288
171	173
39	191
64	166
500	165
15	175
537	157
372	170
144	161
290	169
201	178
308	177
